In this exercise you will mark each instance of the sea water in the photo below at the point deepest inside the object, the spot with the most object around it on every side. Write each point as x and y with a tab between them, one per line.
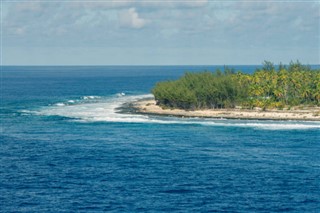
66	147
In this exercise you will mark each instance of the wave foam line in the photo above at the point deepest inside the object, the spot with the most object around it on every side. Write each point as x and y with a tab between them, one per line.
105	110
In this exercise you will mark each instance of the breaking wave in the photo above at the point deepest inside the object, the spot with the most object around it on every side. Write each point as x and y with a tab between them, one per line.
105	109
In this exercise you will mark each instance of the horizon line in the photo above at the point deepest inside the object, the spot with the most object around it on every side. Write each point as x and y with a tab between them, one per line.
140	65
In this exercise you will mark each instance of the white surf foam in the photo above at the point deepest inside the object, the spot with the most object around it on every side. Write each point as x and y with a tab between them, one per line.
105	110
90	97
268	125
120	94
60	104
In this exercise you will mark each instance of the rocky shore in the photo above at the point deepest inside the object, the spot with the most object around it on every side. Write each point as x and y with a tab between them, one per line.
306	114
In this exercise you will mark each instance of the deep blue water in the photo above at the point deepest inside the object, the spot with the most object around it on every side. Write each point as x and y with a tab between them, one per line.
65	148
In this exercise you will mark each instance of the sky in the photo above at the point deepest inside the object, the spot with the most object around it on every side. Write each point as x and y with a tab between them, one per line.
159	32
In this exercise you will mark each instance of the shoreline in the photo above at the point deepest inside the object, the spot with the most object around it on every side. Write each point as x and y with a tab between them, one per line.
149	107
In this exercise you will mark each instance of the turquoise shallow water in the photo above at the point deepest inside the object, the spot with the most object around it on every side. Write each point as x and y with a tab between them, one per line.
64	147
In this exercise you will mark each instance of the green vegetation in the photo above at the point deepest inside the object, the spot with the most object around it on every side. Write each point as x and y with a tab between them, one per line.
286	86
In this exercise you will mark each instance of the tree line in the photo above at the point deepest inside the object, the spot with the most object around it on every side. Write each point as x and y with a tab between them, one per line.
268	87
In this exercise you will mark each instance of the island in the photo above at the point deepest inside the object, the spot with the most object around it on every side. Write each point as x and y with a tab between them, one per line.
289	92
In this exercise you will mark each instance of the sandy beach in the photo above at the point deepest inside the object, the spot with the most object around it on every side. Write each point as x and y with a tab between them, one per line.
150	107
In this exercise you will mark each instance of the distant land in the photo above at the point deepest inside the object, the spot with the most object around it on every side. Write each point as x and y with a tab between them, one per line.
289	92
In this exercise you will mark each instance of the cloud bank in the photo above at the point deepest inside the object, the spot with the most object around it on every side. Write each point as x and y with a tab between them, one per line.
130	18
162	32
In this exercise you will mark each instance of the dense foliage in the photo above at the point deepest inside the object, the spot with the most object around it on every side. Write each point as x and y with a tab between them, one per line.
286	86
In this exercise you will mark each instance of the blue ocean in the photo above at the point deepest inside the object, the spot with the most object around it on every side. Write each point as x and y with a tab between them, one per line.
66	147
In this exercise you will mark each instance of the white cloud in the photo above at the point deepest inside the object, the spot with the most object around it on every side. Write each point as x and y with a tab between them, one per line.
103	5
232	25
130	18
158	4
176	4
29	6
19	30
196	3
